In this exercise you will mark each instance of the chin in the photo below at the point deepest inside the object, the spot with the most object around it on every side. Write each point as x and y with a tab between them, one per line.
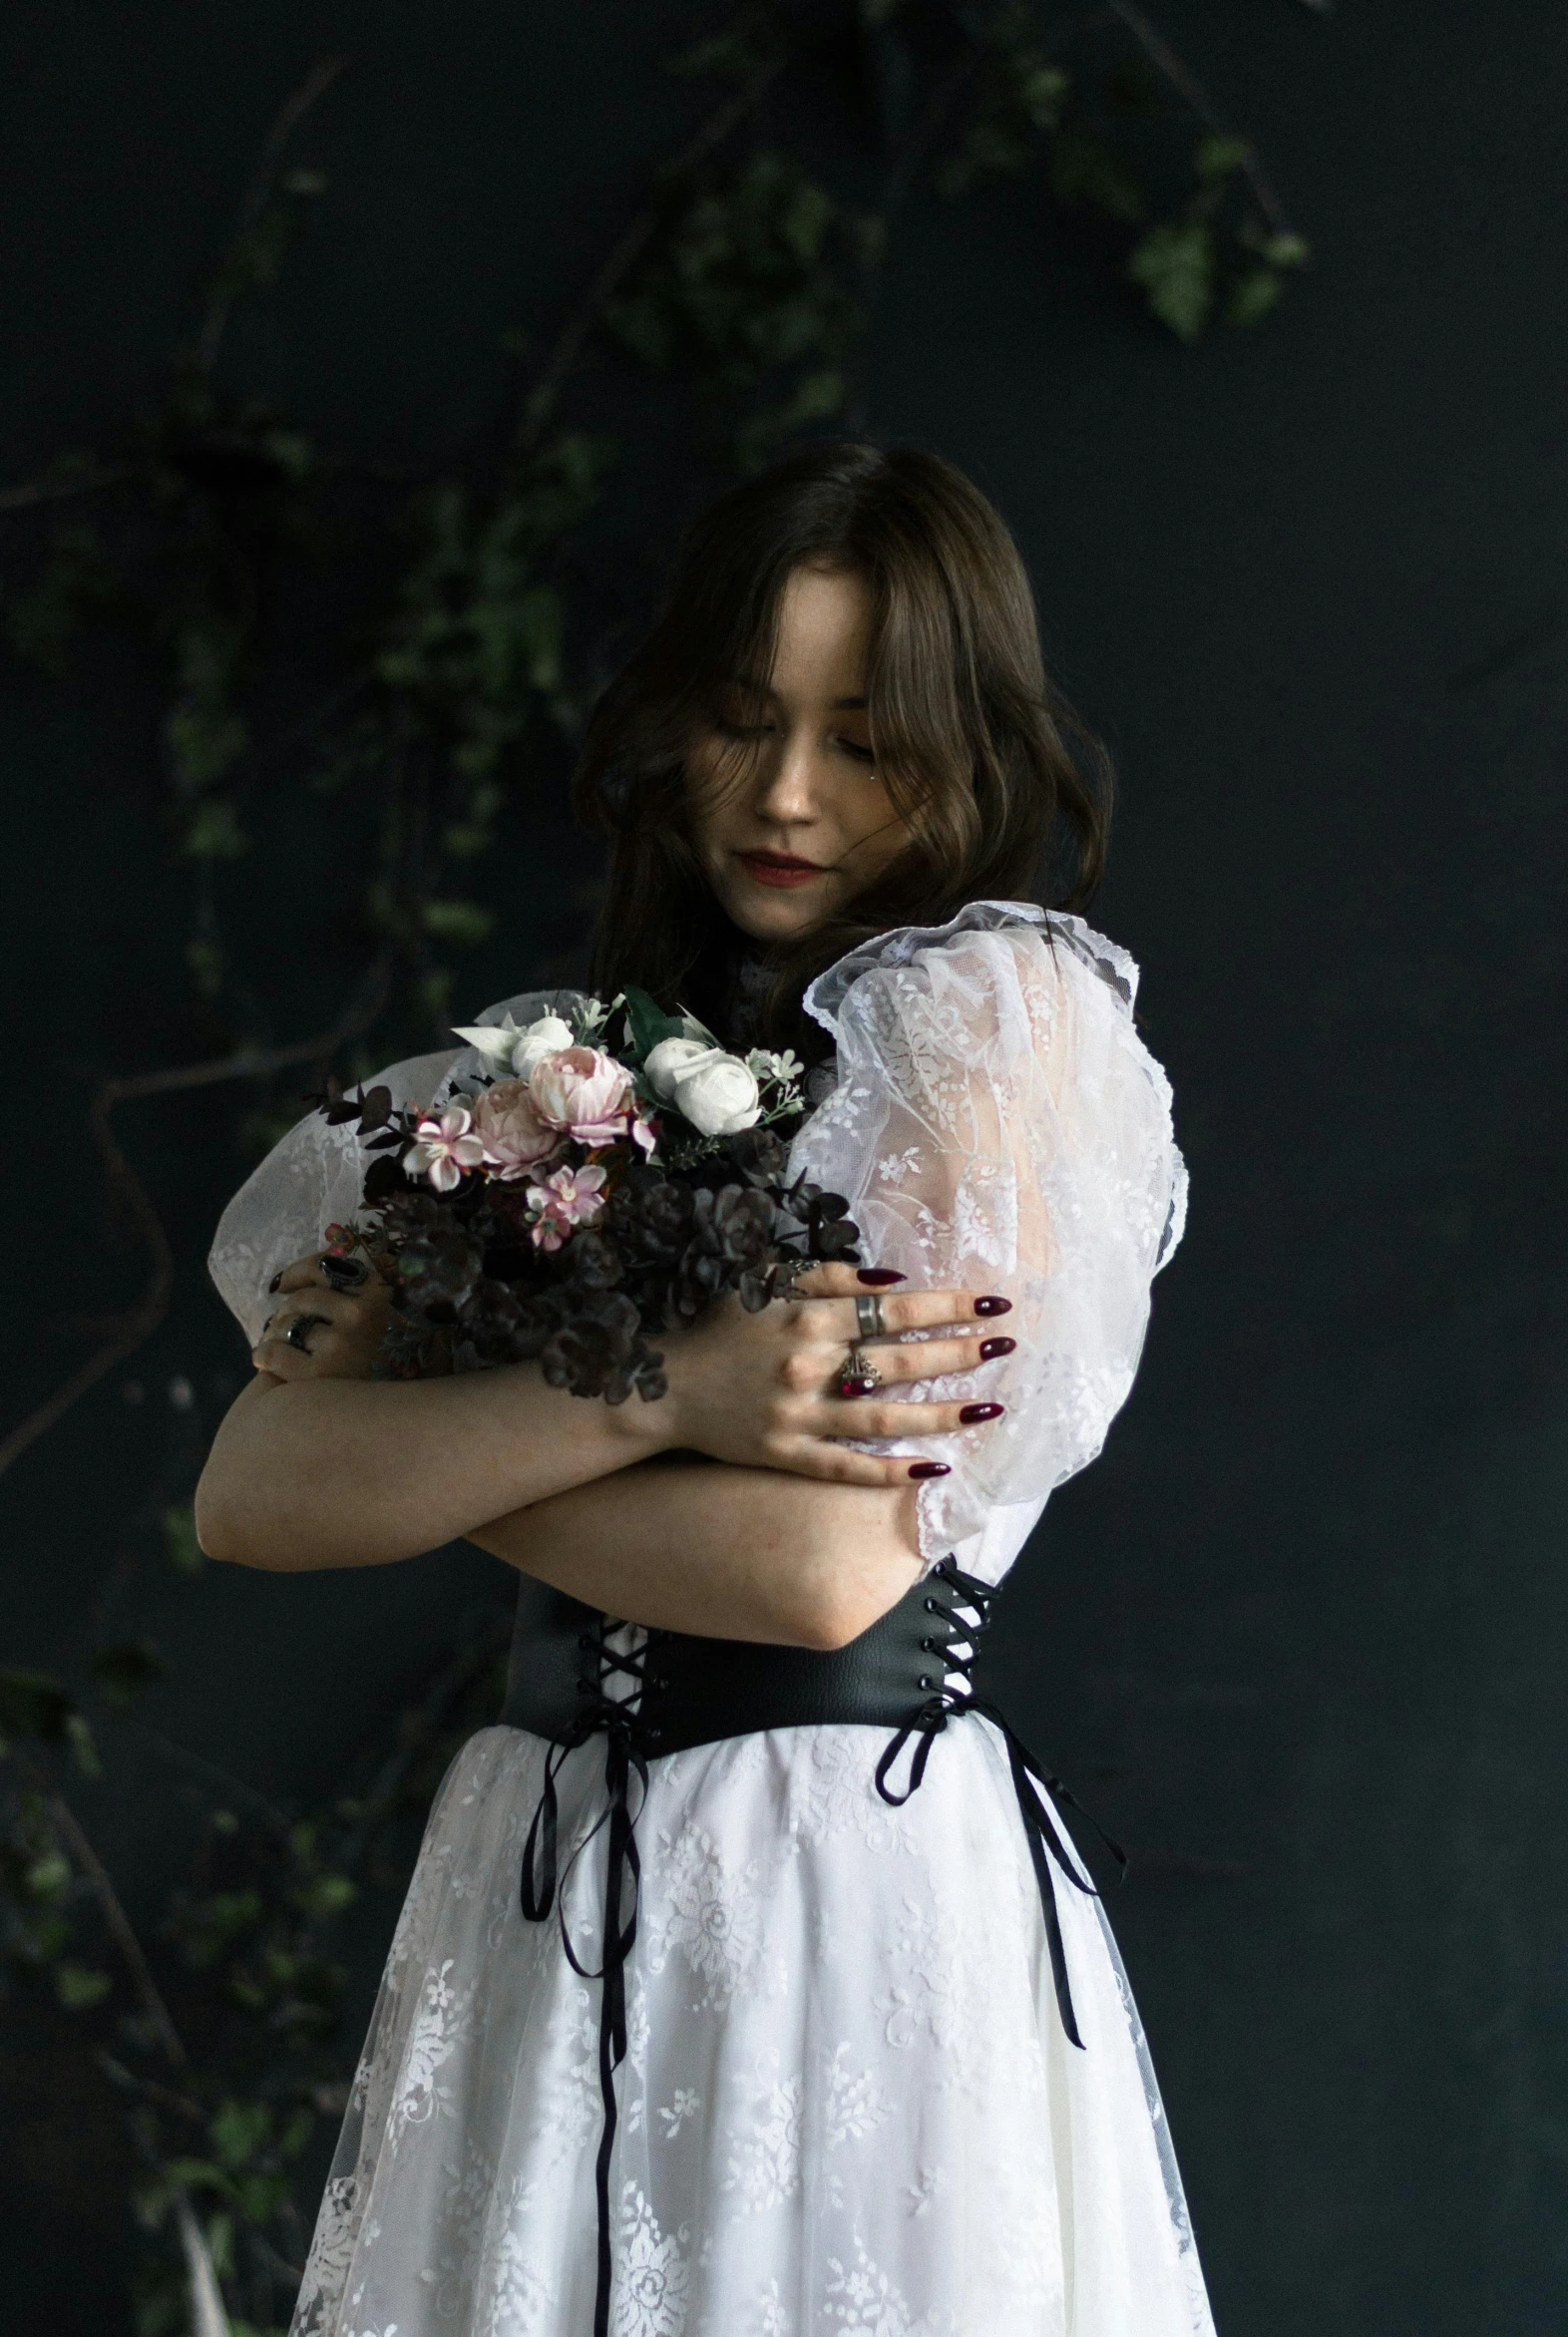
769	917
776	919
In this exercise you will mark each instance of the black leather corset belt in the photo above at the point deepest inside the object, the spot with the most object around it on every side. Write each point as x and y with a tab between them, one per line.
909	1674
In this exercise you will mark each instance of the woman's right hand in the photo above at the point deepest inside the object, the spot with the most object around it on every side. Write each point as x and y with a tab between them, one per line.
763	1390
343	1306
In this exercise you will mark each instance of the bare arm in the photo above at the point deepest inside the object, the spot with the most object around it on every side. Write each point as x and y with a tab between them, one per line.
317	1464
723	1552
361	1472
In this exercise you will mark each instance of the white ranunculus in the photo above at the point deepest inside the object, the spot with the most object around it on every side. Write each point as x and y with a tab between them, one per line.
545	1038
718	1095
667	1064
510	1047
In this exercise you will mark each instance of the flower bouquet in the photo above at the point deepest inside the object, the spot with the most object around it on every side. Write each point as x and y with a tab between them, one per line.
595	1184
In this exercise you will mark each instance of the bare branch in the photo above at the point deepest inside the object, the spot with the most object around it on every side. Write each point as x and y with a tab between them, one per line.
139	1322
221	304
35	491
149	2089
1191	91
450	1682
208	2317
117	1921
541	400
233	1789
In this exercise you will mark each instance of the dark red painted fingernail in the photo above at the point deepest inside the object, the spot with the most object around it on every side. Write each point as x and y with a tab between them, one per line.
857	1387
878	1277
980	1411
931	1469
991	1349
277	1283
993	1306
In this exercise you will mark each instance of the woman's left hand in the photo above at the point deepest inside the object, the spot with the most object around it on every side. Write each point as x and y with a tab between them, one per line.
337	1310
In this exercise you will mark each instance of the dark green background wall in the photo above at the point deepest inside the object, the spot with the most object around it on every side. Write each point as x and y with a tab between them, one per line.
1302	1630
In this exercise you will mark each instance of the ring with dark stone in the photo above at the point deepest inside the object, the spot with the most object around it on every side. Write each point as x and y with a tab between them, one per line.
297	1336
344	1274
859	1375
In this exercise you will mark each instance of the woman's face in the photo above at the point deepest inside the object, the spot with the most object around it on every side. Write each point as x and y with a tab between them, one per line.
798	830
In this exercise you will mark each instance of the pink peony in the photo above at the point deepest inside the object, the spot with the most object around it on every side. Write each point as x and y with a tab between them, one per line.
445	1146
583	1092
507	1122
569	1198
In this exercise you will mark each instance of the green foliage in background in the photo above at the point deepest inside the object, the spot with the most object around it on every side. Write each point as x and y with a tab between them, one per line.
451	694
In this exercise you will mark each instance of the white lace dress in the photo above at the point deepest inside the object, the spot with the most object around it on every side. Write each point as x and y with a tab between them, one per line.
847	2102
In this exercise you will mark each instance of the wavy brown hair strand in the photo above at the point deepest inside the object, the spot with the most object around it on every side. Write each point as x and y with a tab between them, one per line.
1006	794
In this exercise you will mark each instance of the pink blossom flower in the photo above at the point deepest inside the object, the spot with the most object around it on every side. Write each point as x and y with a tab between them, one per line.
444	1147
585	1092
507	1122
571	1197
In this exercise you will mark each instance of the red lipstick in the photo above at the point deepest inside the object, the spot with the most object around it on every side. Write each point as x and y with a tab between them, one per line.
780	869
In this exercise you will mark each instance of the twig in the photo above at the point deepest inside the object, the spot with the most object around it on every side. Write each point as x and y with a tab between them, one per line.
567	348
34	491
208	2317
278	2266
1187	87
923	137
149	2089
138	1322
235	1788
63	1820
448	1684
224	291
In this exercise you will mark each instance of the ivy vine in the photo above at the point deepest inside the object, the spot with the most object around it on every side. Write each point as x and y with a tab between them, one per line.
747	279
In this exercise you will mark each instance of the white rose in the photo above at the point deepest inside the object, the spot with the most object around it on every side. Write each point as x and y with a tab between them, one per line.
667	1064
506	1047
718	1095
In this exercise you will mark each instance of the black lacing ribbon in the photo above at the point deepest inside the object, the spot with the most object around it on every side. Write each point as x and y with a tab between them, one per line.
600	1715
963	1618
956	1650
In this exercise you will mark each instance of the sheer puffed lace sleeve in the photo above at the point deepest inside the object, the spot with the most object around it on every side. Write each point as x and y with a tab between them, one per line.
313	1177
997	1124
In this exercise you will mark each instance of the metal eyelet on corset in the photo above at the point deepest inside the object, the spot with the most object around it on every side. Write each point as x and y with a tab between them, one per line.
585	1687
926	1680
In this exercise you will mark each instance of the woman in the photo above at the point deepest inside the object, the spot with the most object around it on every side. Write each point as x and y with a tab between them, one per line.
860	2055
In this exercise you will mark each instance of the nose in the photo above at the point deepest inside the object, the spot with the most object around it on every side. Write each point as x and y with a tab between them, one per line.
787	779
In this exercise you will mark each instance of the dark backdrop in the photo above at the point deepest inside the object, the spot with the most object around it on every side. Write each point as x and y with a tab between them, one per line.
1302	1628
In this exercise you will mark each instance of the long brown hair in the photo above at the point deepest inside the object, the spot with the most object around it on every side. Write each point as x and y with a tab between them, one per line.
968	735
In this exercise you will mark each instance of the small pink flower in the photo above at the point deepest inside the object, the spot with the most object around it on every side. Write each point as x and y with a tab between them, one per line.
585	1092
507	1122
445	1146
571	1197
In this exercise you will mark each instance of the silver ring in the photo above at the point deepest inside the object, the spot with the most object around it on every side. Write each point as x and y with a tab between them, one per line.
857	1373
869	1320
299	1328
